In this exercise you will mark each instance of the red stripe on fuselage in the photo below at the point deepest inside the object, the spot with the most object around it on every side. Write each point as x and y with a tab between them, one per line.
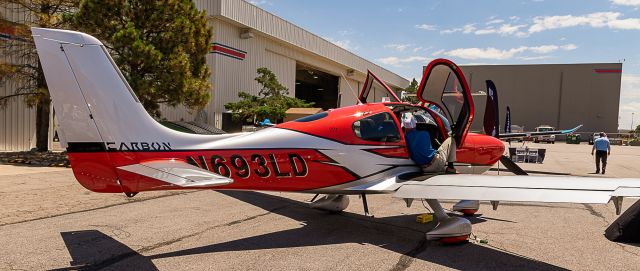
263	169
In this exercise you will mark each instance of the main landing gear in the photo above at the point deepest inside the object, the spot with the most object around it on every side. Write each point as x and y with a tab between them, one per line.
449	230
336	203
467	207
331	203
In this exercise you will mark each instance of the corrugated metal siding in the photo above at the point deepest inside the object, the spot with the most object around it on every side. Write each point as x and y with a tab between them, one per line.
251	16
233	75
17	120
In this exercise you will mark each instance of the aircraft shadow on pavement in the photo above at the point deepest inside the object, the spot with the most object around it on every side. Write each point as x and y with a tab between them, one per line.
392	233
92	250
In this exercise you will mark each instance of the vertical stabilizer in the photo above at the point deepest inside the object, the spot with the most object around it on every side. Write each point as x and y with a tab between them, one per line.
95	106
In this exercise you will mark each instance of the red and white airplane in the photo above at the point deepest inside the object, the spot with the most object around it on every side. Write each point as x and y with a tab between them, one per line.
114	146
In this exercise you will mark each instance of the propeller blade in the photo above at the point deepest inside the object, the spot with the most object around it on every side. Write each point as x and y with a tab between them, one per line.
511	166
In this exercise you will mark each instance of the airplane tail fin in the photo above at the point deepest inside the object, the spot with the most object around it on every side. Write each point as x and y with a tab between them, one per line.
101	122
507	121
491	114
95	106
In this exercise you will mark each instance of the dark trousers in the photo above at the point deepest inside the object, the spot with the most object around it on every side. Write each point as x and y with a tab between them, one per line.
601	155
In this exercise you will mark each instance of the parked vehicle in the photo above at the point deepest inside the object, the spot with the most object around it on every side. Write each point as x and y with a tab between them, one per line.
545	138
593	138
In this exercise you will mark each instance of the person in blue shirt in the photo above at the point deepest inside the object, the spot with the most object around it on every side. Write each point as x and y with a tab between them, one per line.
602	147
421	151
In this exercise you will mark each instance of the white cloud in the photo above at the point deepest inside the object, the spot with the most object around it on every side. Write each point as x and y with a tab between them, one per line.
544	49
415	50
345	44
397	61
487	53
596	20
493	53
437	53
426	26
626	24
635	3
466	29
503	30
495	21
397	47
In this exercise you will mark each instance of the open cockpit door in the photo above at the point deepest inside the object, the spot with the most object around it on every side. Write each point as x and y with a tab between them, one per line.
375	89
443	85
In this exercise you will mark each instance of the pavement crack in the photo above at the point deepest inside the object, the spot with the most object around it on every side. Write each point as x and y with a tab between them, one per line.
409	257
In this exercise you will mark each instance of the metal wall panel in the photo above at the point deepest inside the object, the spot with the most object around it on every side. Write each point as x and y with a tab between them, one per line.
560	95
234	75
17	120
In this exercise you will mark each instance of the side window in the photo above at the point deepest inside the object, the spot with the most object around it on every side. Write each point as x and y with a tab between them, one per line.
380	127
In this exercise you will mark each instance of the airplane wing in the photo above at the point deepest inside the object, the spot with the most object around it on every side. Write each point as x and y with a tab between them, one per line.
522	189
557	132
178	173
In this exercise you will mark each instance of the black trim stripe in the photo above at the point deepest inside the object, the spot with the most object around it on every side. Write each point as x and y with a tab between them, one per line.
86	147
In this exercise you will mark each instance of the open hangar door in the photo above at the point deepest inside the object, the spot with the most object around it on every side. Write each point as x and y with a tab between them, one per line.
316	86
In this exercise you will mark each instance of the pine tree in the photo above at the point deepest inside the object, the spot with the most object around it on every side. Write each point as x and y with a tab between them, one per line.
411	89
160	47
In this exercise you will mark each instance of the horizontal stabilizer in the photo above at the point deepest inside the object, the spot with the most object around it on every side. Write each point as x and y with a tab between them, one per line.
178	173
520	188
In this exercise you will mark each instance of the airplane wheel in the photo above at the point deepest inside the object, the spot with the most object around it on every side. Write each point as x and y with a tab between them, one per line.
455	240
469	212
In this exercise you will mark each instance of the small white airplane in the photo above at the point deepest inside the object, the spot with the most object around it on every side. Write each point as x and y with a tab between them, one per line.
114	146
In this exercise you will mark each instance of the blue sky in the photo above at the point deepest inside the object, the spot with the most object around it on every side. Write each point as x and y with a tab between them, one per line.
404	35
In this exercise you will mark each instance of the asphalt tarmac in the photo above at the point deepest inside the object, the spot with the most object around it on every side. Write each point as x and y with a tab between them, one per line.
49	222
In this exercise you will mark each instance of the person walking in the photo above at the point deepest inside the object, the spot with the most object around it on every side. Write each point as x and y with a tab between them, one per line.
602	148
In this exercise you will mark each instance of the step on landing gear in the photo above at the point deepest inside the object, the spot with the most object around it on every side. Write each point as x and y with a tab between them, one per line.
450	230
467	207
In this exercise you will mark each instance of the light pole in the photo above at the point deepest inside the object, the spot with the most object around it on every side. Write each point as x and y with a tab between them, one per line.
632	113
